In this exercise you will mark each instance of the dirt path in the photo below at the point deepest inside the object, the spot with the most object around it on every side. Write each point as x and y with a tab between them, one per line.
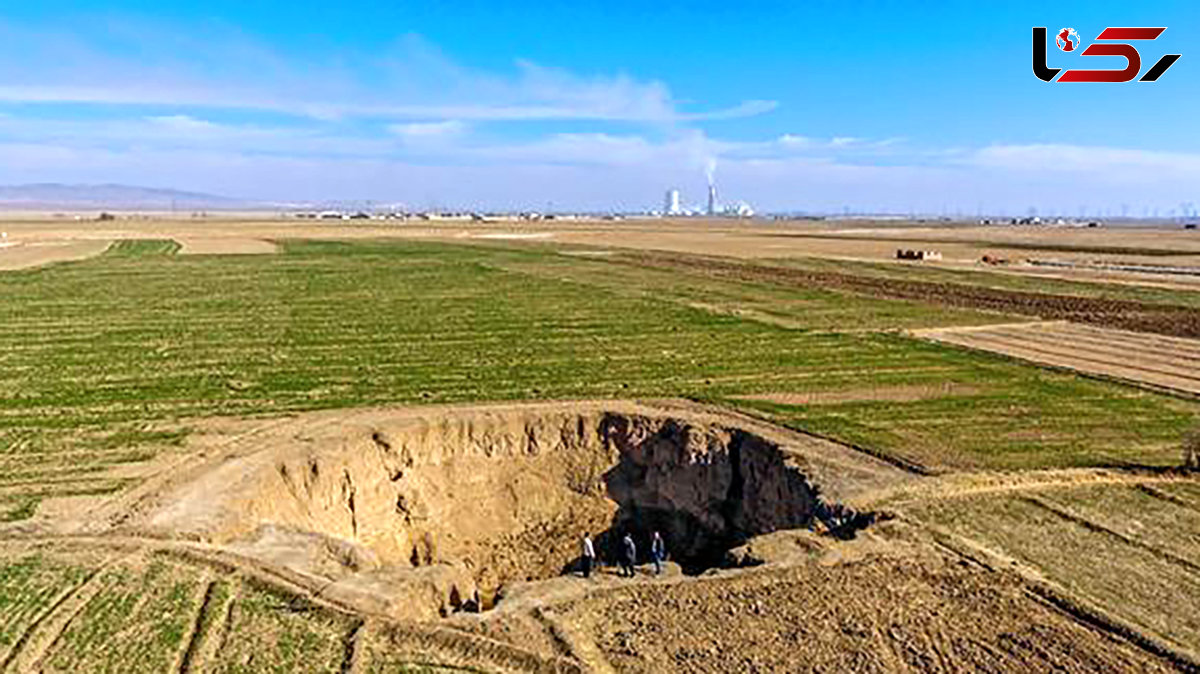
226	246
26	256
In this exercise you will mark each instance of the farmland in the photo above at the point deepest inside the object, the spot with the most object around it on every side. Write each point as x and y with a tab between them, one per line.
1154	360
133	382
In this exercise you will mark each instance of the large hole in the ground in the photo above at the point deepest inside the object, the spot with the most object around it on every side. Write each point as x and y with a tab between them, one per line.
474	502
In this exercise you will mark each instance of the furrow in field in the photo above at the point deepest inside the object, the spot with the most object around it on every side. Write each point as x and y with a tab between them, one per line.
1102	353
1074	359
1142	348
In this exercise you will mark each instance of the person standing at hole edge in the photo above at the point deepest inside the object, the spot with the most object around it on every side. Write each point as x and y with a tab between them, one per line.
628	555
588	556
658	552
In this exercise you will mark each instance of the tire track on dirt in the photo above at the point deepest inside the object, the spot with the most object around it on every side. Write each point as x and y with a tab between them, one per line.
1164	496
352	649
32	647
22	641
195	634
120	509
478	652
437	640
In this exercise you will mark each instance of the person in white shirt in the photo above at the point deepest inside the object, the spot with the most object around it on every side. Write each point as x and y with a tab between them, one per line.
588	556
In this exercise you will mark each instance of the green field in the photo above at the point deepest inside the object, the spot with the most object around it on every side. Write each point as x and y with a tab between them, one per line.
93	351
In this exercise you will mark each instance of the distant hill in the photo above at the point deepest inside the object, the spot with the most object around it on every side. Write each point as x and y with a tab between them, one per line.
50	196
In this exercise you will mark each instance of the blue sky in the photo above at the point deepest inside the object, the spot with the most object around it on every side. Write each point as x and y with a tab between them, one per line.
884	106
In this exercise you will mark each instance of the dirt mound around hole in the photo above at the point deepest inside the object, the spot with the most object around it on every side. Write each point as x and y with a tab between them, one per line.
462	503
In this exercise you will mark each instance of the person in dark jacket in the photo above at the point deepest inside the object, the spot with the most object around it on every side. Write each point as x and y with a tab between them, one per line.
658	552
628	556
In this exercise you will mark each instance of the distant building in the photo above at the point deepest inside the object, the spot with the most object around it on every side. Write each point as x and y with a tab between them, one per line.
671	203
713	206
740	209
905	254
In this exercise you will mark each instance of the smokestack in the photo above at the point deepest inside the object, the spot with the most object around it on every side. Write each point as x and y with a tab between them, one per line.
671	203
710	172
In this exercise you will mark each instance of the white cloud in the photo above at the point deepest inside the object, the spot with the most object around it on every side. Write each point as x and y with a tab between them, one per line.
428	130
1055	158
184	124
414	81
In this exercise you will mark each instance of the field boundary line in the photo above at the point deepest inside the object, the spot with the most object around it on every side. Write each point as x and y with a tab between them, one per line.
929	333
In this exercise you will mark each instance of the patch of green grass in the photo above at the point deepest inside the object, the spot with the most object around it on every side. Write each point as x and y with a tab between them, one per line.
134	437
142	247
273	632
139	617
1007	416
24	508
28	585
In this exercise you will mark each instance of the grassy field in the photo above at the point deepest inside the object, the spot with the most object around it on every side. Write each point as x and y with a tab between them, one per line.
92	351
140	615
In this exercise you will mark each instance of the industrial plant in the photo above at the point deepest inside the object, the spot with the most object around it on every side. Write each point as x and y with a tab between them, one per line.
672	205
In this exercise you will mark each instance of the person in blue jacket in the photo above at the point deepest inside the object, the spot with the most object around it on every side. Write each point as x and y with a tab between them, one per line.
658	552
